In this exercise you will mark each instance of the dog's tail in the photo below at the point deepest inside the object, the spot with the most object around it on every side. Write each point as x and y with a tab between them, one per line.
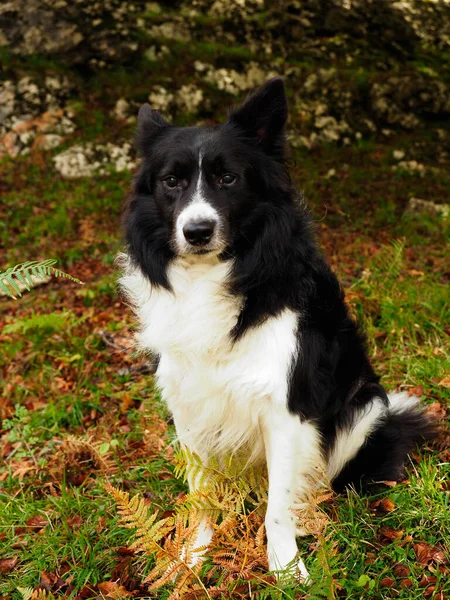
374	447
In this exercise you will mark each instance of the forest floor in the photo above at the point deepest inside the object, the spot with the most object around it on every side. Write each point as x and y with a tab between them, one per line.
79	409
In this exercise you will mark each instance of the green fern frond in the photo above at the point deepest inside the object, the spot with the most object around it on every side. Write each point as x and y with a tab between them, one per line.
220	487
26	275
54	321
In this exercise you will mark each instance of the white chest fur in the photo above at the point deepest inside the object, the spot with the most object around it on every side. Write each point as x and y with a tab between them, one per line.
217	390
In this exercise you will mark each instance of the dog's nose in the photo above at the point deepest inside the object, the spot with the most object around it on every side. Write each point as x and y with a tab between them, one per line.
199	233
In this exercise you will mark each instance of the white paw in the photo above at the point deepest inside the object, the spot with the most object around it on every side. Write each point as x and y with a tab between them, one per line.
303	572
197	556
204	537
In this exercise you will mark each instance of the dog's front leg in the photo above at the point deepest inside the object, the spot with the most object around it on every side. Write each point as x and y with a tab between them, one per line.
282	434
195	480
205	530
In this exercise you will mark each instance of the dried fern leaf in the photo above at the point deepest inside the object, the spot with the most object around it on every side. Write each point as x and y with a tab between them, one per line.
74	446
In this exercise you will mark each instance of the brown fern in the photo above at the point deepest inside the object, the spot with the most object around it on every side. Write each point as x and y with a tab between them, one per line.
171	541
86	452
233	496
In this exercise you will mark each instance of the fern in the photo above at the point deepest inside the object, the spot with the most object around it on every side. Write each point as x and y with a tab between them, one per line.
231	495
26	276
26	592
55	321
83	450
169	540
39	594
221	487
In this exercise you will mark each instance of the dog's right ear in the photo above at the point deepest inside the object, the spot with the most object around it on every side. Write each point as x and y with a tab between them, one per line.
149	123
262	117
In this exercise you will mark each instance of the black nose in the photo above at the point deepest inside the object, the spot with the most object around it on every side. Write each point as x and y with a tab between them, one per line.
199	233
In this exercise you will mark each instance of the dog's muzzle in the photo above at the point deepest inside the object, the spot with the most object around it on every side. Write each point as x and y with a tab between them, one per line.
199	233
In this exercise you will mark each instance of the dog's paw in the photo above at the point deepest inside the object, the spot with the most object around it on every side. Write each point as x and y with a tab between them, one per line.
204	537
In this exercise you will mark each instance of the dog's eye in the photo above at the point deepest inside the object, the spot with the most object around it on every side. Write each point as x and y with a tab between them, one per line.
171	182
227	179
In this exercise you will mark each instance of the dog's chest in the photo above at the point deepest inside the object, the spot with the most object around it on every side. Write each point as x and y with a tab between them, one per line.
215	388
195	318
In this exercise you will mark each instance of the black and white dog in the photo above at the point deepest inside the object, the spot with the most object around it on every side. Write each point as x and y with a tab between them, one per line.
257	349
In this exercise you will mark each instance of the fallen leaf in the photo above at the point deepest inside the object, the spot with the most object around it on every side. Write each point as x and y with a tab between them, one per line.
401	570
75	522
416	391
8	564
391	534
112	589
101	522
52	582
425	553
387	505
445	382
370	558
387	582
435	409
426	580
125	551
37	522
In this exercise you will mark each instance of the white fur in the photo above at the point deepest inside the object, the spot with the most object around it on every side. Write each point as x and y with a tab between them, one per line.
226	396
400	402
350	439
294	460
217	390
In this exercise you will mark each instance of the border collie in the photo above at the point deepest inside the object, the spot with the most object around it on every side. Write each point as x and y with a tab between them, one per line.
257	349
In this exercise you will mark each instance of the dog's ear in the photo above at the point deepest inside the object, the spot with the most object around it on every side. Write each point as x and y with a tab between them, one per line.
150	122
262	117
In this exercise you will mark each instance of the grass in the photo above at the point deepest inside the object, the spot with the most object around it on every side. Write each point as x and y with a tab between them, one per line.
61	381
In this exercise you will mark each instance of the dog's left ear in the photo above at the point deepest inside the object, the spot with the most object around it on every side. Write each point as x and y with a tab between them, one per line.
263	115
150	122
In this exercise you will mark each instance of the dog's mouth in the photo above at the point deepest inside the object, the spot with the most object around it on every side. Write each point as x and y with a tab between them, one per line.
215	247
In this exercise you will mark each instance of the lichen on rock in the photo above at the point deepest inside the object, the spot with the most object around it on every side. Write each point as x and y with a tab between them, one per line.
32	115
87	160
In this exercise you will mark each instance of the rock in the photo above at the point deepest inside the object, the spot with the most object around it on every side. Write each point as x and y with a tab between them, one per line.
411	166
189	97
28	109
416	205
18	134
7	100
160	99
155	53
232	82
121	109
72	31
171	30
87	160
398	154
400	100
47	141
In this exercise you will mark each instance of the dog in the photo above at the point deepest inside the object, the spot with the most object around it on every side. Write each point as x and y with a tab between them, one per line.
257	349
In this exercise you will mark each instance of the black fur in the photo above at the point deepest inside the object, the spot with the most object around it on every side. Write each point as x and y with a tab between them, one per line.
276	265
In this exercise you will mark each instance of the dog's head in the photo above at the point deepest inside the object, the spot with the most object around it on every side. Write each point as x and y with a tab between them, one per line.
197	186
